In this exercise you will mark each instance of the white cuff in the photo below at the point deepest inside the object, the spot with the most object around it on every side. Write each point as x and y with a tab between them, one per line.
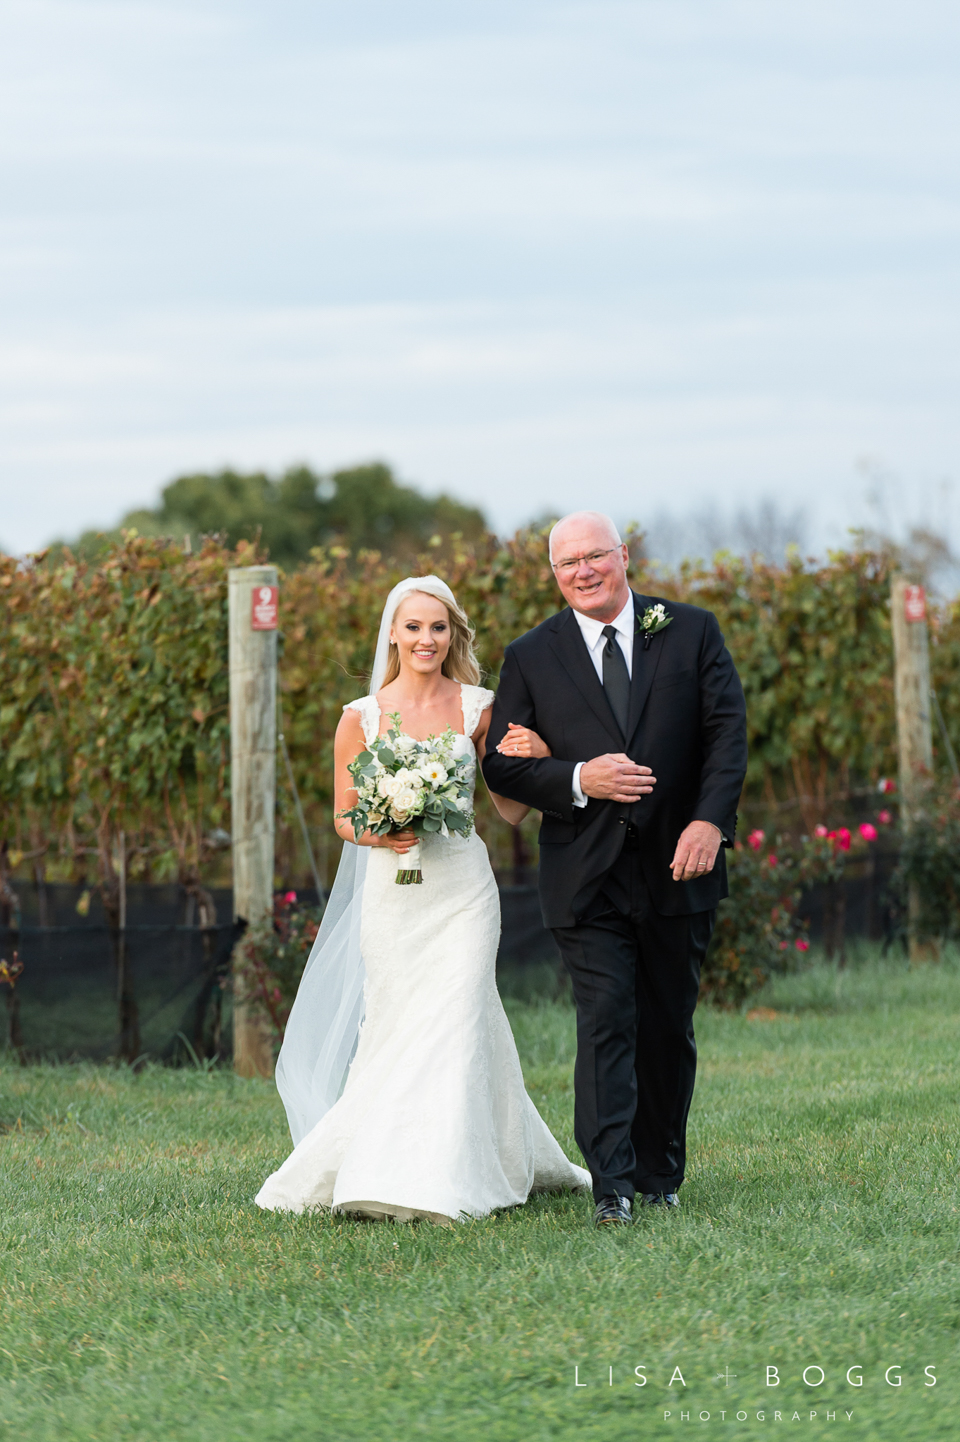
578	797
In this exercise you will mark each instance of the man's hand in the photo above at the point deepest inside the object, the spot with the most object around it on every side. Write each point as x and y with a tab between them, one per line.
616	778
696	850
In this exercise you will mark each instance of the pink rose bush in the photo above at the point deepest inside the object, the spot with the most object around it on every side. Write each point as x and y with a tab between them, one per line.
759	925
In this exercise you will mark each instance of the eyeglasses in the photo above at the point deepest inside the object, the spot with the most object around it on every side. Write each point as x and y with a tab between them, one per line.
567	568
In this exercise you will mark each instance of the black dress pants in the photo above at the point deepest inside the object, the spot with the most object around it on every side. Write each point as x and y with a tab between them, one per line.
636	976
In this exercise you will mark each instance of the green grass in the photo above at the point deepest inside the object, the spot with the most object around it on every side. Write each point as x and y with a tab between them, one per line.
144	1296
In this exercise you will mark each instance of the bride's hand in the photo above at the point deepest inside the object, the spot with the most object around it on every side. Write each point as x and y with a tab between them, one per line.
398	841
521	741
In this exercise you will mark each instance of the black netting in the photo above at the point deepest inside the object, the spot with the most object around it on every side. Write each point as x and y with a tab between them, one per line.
88	992
161	989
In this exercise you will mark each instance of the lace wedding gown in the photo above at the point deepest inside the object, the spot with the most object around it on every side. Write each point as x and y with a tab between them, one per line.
434	1120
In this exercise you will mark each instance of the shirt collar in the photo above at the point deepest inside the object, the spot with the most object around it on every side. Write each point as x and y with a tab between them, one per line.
592	629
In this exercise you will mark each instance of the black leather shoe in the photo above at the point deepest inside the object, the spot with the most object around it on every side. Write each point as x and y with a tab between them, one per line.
613	1211
661	1199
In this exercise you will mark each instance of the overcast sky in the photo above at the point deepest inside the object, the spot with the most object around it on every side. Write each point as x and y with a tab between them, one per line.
646	256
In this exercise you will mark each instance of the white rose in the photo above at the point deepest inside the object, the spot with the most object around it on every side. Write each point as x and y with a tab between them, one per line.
404	745
388	786
405	801
409	780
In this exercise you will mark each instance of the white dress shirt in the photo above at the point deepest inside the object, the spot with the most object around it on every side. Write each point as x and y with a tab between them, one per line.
592	632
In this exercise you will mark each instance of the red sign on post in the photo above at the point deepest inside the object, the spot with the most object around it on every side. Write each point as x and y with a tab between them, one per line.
914	603
265	606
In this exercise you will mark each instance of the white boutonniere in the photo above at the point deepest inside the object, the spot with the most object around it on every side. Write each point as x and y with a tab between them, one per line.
654	619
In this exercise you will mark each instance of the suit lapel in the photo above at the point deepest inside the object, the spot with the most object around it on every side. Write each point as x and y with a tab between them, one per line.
646	659
571	651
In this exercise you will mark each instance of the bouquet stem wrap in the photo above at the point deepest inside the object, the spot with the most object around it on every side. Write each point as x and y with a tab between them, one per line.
408	868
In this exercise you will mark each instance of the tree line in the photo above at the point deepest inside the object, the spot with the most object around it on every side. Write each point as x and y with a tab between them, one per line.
360	507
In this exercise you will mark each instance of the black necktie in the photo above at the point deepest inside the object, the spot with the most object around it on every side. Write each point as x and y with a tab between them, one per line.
616	679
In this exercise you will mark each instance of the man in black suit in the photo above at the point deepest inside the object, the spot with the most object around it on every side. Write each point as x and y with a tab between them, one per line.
643	713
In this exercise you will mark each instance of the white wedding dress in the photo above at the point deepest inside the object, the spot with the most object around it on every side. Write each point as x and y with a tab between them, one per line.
434	1120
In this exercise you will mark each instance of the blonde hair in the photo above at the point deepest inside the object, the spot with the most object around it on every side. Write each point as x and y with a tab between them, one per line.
460	662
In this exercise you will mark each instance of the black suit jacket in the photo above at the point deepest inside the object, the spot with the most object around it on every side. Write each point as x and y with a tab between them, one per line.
687	721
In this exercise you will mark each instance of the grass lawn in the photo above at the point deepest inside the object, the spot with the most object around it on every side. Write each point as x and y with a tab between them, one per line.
144	1296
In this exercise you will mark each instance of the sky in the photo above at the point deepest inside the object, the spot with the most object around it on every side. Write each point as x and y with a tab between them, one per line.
665	257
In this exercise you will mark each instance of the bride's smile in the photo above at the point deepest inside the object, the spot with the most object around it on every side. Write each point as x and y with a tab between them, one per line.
421	633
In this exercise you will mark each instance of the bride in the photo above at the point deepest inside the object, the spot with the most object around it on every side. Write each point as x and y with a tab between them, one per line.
432	1119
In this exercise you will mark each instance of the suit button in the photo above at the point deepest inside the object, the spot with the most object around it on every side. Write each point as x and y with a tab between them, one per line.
623	821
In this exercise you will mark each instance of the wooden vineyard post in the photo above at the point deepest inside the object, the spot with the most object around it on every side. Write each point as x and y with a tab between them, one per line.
914	736
253	755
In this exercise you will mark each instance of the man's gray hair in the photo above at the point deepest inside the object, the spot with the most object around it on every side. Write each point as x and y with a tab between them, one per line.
597	516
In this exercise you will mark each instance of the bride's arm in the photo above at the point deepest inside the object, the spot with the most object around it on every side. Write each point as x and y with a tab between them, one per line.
519	741
348	743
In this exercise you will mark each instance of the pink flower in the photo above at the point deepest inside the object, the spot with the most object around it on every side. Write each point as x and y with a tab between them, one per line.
868	831
276	993
802	944
783	946
820	830
289	898
884	818
843	839
885	786
771	860
756	839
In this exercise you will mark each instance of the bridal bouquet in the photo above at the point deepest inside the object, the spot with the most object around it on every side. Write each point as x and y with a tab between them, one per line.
406	784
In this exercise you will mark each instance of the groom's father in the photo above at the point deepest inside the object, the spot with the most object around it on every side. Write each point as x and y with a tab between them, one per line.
642	709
